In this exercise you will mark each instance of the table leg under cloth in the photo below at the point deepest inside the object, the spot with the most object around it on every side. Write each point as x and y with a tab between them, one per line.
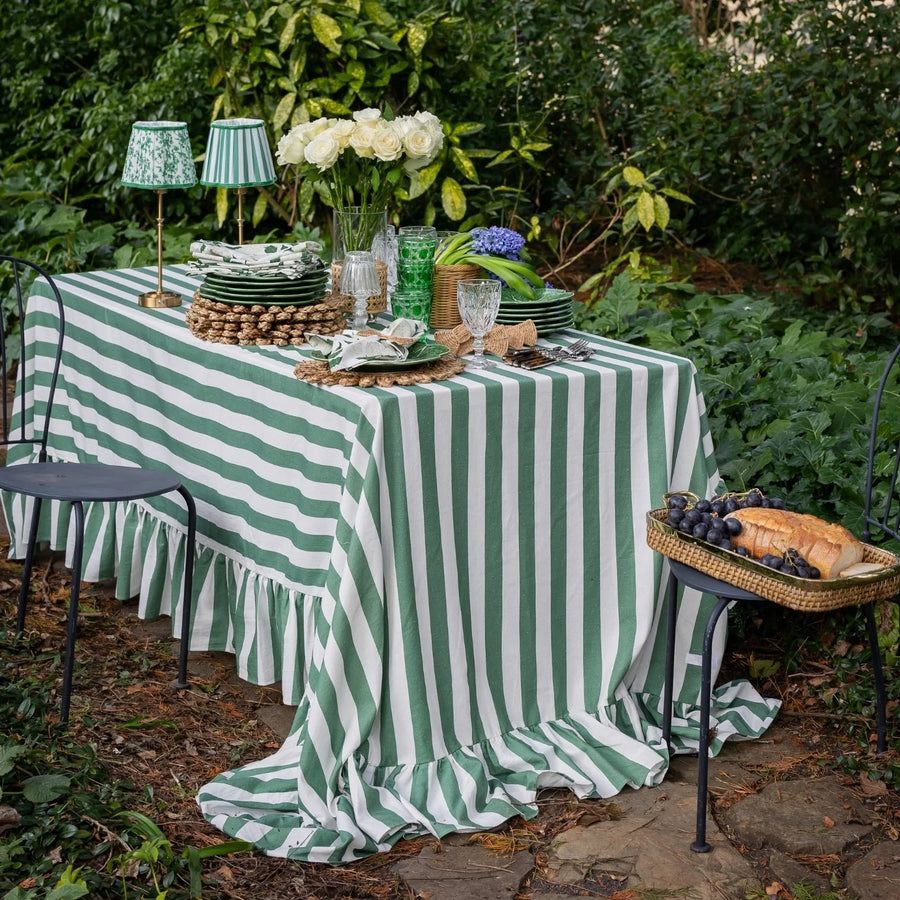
451	579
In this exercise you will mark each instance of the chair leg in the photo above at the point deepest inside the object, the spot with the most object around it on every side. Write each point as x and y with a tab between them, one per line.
669	686
26	571
877	671
700	844
187	597
72	625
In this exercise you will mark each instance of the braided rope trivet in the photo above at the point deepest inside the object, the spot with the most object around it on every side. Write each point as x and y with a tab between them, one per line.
317	372
233	323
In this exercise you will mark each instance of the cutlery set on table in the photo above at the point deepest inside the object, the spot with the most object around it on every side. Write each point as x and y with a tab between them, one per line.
537	357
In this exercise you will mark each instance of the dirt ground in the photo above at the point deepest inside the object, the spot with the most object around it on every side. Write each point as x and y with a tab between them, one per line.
173	742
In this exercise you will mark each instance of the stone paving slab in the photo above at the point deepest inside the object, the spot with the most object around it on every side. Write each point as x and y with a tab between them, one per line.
877	875
648	849
454	871
804	817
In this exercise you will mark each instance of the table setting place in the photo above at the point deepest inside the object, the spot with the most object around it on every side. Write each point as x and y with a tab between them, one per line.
286	294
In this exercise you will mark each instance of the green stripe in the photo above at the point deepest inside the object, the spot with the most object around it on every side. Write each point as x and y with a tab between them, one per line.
559	585
528	620
491	621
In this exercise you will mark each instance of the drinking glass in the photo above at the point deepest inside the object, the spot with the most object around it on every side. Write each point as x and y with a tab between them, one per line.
416	245
479	303
360	280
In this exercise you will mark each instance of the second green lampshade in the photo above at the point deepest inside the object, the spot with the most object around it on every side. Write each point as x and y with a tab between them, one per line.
238	155
159	157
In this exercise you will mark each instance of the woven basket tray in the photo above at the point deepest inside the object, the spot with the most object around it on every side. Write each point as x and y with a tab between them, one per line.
804	594
444	307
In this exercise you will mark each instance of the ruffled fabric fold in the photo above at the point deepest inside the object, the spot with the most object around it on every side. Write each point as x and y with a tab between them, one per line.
368	808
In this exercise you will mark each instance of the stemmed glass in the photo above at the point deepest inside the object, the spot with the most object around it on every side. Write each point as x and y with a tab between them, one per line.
479	303
360	280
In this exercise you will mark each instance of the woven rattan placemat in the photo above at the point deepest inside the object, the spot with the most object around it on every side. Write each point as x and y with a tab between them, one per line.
234	323
317	372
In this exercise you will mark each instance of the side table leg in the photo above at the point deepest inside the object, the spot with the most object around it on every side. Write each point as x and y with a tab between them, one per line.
700	844
668	688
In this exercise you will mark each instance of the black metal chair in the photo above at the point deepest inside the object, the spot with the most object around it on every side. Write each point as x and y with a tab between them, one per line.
882	522
75	483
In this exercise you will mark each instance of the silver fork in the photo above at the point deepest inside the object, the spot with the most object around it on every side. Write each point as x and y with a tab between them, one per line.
580	349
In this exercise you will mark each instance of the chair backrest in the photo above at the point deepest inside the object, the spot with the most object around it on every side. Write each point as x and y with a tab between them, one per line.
22	425
882	500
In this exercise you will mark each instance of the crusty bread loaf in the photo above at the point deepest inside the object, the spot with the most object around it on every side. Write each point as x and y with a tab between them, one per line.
830	548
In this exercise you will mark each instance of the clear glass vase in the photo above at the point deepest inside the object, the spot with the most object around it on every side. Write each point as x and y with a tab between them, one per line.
353	230
357	229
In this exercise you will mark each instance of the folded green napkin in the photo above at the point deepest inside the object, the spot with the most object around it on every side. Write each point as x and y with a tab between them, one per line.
351	349
287	260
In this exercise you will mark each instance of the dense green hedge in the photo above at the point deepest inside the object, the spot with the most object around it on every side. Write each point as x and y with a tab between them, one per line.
791	157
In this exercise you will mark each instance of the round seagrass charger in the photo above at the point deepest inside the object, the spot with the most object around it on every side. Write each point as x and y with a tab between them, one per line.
228	323
318	372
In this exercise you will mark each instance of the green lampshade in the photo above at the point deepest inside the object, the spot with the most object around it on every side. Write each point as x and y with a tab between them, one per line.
159	157
238	155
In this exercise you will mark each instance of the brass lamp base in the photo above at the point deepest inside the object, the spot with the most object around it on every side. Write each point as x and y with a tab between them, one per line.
159	299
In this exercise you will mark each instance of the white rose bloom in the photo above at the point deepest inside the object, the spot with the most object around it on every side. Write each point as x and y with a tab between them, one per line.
367	115
421	142
290	148
362	138
322	151
341	131
386	143
428	119
314	129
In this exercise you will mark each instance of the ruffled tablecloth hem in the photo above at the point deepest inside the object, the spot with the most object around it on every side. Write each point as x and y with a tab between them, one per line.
369	809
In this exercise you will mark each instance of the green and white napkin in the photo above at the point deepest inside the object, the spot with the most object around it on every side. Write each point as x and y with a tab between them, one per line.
351	349
286	260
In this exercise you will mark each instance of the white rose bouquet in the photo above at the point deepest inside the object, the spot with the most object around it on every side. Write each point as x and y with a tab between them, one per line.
361	160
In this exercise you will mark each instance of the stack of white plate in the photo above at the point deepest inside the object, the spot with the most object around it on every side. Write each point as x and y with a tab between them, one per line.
550	310
266	290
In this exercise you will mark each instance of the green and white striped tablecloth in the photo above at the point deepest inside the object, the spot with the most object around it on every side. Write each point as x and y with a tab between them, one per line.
451	579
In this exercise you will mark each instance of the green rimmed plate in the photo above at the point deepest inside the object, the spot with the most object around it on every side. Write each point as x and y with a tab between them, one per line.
233	294
243	299
548	296
505	317
421	353
234	282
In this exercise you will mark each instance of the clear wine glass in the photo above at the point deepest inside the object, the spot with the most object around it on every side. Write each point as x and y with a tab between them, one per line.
479	303
360	280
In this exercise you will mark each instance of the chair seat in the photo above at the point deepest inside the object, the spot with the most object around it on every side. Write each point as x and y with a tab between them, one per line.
87	482
709	585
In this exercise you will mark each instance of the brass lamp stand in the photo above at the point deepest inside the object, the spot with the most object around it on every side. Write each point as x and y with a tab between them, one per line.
159	298
240	214
159	158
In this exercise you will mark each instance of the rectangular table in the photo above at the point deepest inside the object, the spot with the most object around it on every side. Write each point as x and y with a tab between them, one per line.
451	580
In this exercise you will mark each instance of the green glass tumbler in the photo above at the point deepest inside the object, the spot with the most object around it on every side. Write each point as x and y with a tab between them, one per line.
410	303
416	246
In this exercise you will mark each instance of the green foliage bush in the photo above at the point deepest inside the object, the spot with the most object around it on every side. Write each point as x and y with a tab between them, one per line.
74	835
788	389
791	163
792	155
